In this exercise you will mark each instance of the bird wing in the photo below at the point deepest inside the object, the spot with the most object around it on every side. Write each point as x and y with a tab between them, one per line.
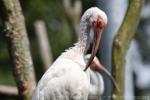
96	85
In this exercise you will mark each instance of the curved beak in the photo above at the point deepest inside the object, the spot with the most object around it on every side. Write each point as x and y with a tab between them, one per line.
95	65
96	41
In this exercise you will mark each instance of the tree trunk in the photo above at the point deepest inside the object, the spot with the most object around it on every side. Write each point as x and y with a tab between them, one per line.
121	44
44	45
18	45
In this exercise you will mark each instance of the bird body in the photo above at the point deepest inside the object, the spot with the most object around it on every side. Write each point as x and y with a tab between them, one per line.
65	79
96	87
70	82
75	84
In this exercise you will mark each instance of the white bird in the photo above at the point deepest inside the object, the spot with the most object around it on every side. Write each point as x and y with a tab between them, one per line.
96	80
65	79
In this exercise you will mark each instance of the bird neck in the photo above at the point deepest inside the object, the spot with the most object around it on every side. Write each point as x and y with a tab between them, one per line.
82	43
80	47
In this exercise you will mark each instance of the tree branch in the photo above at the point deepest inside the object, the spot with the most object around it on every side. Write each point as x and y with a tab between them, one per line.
18	45
121	44
8	91
43	43
73	14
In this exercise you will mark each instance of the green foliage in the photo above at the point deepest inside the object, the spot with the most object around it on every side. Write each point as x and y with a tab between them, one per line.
6	76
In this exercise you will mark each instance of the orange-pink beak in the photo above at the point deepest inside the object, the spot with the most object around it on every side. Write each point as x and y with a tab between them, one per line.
96	65
98	27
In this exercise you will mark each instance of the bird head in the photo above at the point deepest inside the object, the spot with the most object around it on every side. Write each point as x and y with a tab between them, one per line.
97	21
98	67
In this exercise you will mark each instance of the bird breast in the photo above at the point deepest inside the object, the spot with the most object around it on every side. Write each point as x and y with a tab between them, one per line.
64	80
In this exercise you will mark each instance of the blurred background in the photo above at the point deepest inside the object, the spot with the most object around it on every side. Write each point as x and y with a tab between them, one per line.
59	20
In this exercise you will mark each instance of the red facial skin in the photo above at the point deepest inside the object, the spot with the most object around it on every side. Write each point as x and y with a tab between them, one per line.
99	24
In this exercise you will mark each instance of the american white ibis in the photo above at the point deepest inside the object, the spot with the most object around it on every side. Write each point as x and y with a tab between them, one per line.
65	79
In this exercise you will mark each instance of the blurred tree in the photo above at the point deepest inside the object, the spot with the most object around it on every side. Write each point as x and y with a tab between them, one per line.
18	45
121	44
44	46
73	15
